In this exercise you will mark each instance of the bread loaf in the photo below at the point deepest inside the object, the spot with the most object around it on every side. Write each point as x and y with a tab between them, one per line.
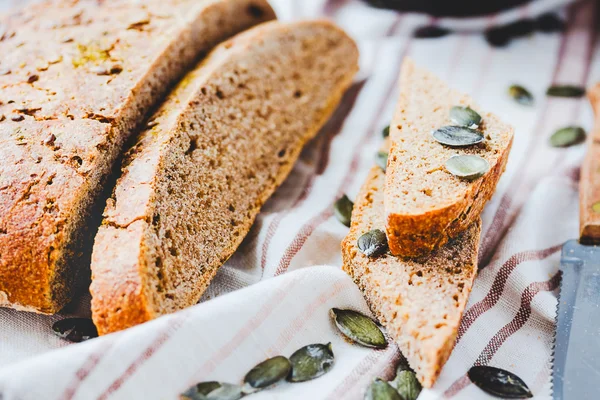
419	303
217	148
77	77
425	205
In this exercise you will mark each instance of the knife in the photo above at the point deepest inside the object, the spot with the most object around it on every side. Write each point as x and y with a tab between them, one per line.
576	369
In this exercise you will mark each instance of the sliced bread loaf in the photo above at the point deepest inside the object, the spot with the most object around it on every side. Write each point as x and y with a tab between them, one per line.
425	204
218	147
419	303
77	77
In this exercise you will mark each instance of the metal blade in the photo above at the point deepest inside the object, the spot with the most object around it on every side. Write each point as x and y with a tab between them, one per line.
576	371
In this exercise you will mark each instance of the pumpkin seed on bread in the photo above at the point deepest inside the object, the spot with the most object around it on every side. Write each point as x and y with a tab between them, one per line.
420	303
218	147
429	201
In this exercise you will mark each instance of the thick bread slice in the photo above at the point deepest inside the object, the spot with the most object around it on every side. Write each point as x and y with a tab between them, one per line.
419	303
425	205
77	77
191	187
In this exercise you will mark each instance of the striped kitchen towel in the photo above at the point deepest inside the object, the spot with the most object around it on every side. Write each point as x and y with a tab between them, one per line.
273	296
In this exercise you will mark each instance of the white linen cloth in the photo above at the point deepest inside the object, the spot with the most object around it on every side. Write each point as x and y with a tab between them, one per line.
273	296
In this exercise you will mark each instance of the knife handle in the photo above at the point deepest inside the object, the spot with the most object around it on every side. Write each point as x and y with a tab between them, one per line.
589	185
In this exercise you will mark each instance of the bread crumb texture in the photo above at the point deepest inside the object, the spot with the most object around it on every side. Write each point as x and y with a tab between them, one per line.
425	205
419	303
77	77
218	147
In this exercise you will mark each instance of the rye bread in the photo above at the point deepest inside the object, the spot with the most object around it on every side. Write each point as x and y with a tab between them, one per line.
425	205
420	303
217	148
77	78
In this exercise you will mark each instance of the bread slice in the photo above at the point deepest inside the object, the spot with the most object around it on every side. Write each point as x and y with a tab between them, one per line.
425	205
419	303
221	143
77	78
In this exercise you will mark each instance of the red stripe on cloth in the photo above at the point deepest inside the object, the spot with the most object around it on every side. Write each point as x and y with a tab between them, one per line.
499	223
308	228
495	292
332	6
82	373
507	331
156	344
330	131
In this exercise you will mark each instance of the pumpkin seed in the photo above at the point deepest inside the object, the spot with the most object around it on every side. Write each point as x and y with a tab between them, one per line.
565	91
407	385
596	207
549	23
268	372
359	328
200	390
381	160
227	391
430	32
381	390
569	136
499	382
465	116
467	166
75	329
521	95
498	37
373	243
343	210
386	131
457	136
311	362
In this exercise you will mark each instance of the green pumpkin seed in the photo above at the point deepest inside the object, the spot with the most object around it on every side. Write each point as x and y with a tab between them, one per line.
457	136
467	166
268	372
565	91
381	160
521	95
359	328
568	136
381	390
407	385
596	207
386	131
343	210
499	382
311	362
465	116
75	329
373	243
213	391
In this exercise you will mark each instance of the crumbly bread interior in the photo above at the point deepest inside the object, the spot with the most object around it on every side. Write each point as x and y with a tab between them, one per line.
77	79
424	203
419	303
222	142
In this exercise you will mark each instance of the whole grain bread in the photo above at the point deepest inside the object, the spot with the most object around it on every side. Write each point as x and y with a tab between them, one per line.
217	148
77	77
420	303
425	205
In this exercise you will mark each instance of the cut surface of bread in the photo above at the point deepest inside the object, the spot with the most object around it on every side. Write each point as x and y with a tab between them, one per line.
425	205
77	77
218	147
419	303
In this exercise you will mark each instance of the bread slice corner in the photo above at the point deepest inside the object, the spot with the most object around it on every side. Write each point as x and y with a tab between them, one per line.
425	205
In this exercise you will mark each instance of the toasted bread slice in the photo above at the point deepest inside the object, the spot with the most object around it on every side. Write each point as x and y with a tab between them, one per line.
419	303
425	205
222	142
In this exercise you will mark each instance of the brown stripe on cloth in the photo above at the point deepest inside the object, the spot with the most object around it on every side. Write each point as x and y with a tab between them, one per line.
507	331
332	6
495	292
308	228
501	220
329	132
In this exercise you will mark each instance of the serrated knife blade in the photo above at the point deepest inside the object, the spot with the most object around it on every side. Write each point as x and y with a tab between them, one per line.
576	372
576	364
